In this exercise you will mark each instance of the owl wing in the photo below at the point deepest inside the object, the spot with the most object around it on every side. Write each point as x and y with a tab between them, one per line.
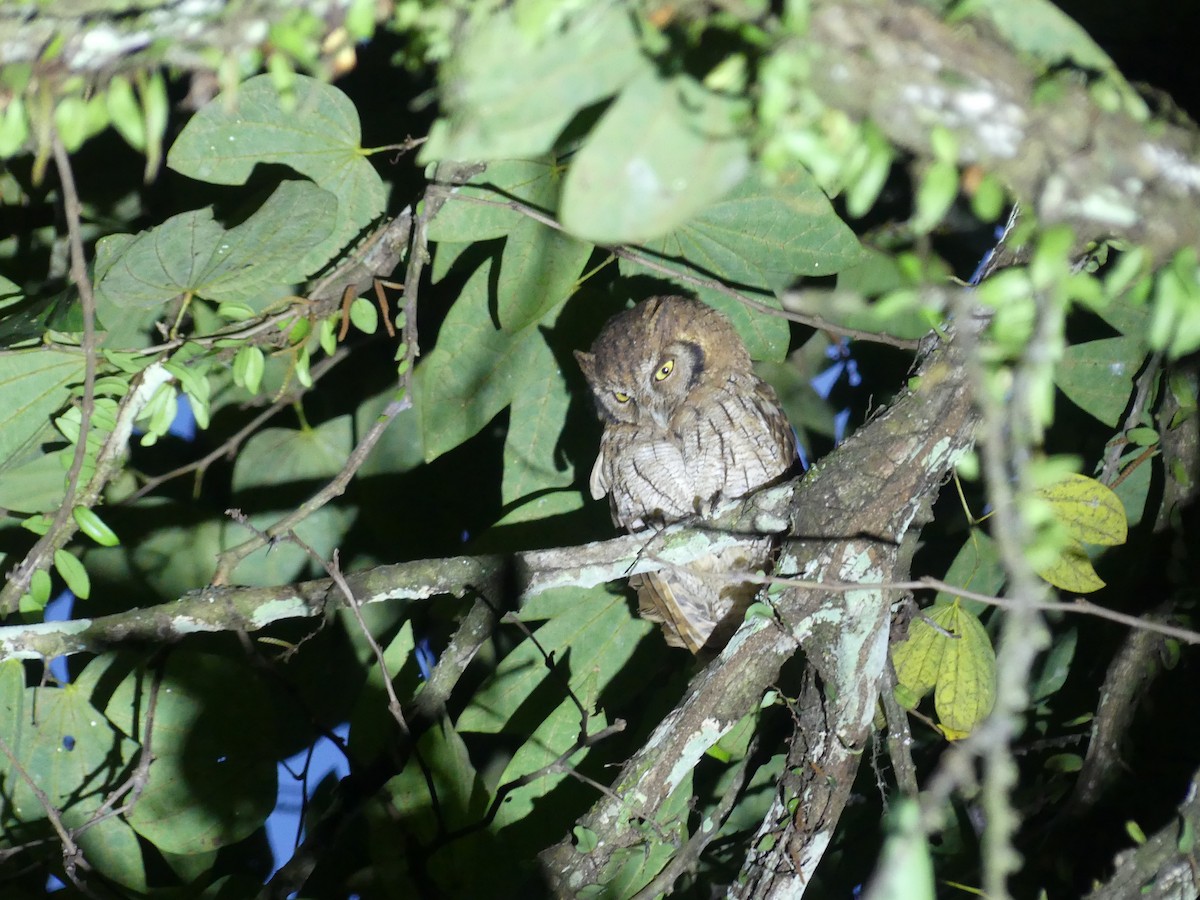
644	476
735	439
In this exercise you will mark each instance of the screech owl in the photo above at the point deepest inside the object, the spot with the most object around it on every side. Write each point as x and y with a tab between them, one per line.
687	424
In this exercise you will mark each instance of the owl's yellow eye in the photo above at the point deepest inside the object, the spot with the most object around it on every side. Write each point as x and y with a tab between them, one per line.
664	370
621	396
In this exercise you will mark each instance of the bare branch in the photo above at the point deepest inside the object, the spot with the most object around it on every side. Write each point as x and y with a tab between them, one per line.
63	525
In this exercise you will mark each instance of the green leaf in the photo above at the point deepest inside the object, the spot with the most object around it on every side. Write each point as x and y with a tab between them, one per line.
371	724
1098	375
252	263
179	555
38	485
1054	666
152	88
538	271
93	526
112	849
552	737
73	573
1135	832
585	839
1072	571
540	265
212	782
966	684
761	236
63	743
976	567
462	392
35	384
39	588
1143	437
446	772
1064	762
535	424
126	112
14	127
277	456
918	658
248	367
662	152
1134	488
507	93
765	234
592	638
401	448
317	134
935	193
905	868
364	315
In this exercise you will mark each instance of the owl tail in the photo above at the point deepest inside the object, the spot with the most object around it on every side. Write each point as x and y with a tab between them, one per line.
699	611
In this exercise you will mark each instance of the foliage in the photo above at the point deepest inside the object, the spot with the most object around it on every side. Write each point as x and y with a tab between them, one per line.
376	351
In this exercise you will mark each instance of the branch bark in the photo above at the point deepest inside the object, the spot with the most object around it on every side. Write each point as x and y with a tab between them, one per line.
850	521
1064	155
224	608
102	38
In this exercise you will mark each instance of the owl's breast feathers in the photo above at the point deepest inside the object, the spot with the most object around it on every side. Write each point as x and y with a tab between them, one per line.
644	475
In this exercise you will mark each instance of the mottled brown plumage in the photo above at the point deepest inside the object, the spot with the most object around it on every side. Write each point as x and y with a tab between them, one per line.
687	425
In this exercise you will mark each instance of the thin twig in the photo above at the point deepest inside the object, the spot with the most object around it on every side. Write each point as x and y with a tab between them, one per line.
72	856
1112	453
687	857
229	559
229	446
333	568
417	257
136	782
63	525
642	258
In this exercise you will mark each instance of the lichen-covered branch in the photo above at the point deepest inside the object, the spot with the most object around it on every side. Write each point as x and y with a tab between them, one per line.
1064	155
1165	865
100	38
231	608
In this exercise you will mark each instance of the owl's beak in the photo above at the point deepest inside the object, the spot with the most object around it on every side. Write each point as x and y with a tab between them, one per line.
661	419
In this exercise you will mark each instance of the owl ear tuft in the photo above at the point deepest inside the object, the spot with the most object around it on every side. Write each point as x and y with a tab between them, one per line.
587	363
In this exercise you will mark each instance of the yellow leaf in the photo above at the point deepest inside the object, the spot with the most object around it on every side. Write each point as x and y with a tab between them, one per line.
1091	512
1073	571
917	659
966	683
950	734
954	658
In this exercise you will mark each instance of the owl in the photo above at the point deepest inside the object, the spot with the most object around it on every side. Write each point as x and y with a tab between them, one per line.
687	425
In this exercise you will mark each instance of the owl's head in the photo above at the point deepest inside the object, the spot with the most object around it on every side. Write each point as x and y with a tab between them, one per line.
647	360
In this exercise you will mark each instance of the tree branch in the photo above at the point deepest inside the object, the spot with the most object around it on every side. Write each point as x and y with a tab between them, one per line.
1065	156
225	608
